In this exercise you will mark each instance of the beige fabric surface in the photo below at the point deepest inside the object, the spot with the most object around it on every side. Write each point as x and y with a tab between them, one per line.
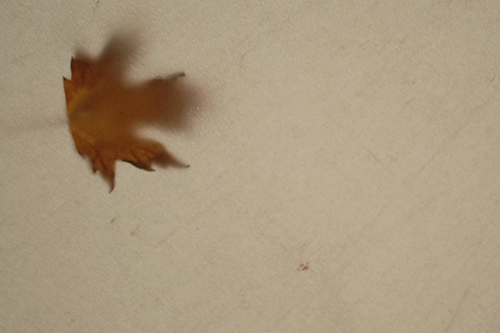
344	170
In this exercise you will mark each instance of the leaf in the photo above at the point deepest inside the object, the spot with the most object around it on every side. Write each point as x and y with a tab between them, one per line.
105	112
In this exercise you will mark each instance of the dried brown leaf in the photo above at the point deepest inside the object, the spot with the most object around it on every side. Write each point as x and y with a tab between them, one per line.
104	113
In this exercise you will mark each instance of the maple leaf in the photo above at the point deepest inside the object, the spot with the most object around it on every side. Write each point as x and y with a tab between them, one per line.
105	112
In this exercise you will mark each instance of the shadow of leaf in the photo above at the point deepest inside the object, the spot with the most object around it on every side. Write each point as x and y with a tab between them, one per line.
105	111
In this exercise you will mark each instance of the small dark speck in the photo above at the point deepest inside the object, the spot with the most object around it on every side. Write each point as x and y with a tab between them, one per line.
133	233
303	267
